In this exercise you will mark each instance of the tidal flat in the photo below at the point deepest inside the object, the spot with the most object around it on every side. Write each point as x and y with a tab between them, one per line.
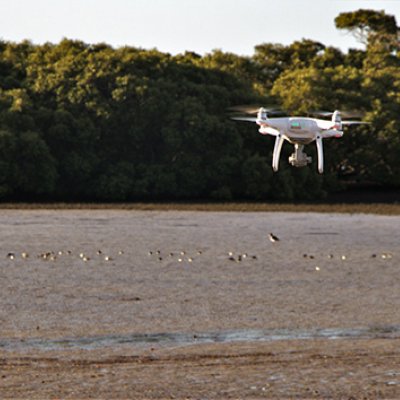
165	303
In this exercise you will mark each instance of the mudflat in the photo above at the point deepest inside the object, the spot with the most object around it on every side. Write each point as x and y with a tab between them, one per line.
191	304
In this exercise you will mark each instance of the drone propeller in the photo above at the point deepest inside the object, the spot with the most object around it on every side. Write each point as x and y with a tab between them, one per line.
344	114
320	113
245	109
250	119
253	110
355	123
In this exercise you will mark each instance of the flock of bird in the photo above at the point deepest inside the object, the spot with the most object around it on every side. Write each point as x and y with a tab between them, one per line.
180	256
273	238
183	256
54	255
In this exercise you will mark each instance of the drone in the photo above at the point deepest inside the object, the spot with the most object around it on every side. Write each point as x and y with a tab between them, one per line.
298	131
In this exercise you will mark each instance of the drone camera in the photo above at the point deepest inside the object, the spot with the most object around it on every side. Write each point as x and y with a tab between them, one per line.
299	158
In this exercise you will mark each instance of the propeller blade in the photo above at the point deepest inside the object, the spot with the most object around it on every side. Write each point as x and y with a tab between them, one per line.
352	114
321	113
249	119
253	109
344	114
245	109
355	123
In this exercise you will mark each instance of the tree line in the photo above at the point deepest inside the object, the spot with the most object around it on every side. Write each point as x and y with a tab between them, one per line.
83	122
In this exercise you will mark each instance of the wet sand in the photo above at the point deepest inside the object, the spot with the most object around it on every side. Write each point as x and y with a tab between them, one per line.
155	304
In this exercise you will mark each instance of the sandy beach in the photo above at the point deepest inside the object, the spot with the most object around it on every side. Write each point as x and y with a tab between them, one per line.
187	304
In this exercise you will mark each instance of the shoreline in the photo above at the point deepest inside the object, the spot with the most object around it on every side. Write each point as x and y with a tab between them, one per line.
341	208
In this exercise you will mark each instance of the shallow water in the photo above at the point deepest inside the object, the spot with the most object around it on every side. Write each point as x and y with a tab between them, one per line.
184	339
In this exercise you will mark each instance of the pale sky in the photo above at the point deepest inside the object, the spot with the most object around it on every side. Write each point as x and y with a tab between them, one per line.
177	25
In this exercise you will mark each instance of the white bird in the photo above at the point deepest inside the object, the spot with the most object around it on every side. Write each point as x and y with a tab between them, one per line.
273	238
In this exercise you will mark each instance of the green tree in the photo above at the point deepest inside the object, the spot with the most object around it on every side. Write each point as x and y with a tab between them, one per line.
362	23
27	167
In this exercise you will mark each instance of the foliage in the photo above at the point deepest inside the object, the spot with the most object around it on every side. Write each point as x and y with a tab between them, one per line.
363	23
87	122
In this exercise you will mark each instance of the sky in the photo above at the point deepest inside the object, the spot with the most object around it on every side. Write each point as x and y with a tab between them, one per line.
176	26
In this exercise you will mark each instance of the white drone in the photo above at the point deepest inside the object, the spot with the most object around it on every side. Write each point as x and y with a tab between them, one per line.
299	131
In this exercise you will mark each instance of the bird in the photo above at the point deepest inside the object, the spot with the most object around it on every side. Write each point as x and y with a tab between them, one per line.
273	238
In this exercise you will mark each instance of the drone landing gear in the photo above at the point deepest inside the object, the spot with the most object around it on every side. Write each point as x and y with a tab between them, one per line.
299	158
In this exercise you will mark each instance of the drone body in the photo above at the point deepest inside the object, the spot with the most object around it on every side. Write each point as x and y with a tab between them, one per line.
298	131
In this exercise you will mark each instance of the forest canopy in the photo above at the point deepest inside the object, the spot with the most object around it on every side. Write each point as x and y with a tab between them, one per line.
84	122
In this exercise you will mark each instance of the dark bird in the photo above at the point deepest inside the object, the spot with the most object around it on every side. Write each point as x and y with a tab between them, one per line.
273	238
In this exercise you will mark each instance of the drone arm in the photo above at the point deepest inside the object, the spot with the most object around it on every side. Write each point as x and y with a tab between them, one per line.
320	152
277	152
267	130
